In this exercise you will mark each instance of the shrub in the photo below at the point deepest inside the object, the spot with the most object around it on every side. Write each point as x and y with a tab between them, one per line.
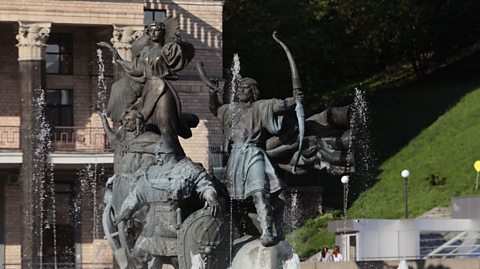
435	179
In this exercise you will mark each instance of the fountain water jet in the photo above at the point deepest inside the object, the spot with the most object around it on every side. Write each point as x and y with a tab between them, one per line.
292	214
95	172
102	93
359	121
43	173
233	107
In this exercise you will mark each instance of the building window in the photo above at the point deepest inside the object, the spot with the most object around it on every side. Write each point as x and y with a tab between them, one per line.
154	15
59	54
59	108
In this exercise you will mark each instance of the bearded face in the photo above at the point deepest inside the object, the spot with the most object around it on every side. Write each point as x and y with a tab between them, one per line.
133	122
245	92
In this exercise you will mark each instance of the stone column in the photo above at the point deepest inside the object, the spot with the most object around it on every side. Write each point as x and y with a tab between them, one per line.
31	60
122	40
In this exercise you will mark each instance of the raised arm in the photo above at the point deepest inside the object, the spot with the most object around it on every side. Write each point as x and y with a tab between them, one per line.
133	68
213	103
111	135
115	55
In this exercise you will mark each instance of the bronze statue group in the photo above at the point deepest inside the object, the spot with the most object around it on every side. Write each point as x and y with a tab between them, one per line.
161	207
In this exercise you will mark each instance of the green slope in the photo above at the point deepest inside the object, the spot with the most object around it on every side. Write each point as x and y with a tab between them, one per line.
446	148
312	236
429	126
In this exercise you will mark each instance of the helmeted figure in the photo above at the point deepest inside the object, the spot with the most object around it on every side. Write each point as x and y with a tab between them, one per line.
164	187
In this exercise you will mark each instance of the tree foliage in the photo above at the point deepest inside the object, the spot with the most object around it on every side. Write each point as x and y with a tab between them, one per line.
339	41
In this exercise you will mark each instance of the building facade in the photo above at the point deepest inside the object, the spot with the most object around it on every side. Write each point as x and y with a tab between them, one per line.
51	45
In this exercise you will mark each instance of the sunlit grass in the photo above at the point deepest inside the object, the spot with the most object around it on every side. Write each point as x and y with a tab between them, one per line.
312	236
447	148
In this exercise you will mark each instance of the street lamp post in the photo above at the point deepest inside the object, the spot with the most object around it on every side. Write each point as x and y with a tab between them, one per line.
344	181
405	175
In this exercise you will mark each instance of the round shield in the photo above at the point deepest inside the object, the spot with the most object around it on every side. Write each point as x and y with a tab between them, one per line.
201	233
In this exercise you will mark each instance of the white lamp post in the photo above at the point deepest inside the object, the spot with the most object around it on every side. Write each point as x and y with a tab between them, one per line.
344	180
405	174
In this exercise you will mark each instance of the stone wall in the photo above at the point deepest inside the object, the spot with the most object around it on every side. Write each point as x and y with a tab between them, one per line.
73	12
13	218
194	97
9	86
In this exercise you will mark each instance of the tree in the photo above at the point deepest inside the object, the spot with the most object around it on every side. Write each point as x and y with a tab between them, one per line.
339	41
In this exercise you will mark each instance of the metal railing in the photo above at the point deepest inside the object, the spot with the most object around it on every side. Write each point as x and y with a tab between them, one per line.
80	139
68	139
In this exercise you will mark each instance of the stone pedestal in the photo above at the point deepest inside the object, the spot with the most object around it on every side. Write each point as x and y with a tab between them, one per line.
31	49
249	253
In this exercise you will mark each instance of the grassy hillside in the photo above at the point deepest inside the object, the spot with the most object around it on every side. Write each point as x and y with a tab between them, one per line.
443	151
312	236
429	126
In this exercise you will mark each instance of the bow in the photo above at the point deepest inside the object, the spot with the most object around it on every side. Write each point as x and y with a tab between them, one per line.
299	107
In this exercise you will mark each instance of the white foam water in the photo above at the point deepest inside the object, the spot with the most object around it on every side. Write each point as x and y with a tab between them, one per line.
197	261
43	174
361	143
359	121
292	213
234	110
102	93
403	265
292	263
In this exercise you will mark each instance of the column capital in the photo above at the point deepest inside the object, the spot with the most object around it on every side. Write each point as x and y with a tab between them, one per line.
32	38
123	38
